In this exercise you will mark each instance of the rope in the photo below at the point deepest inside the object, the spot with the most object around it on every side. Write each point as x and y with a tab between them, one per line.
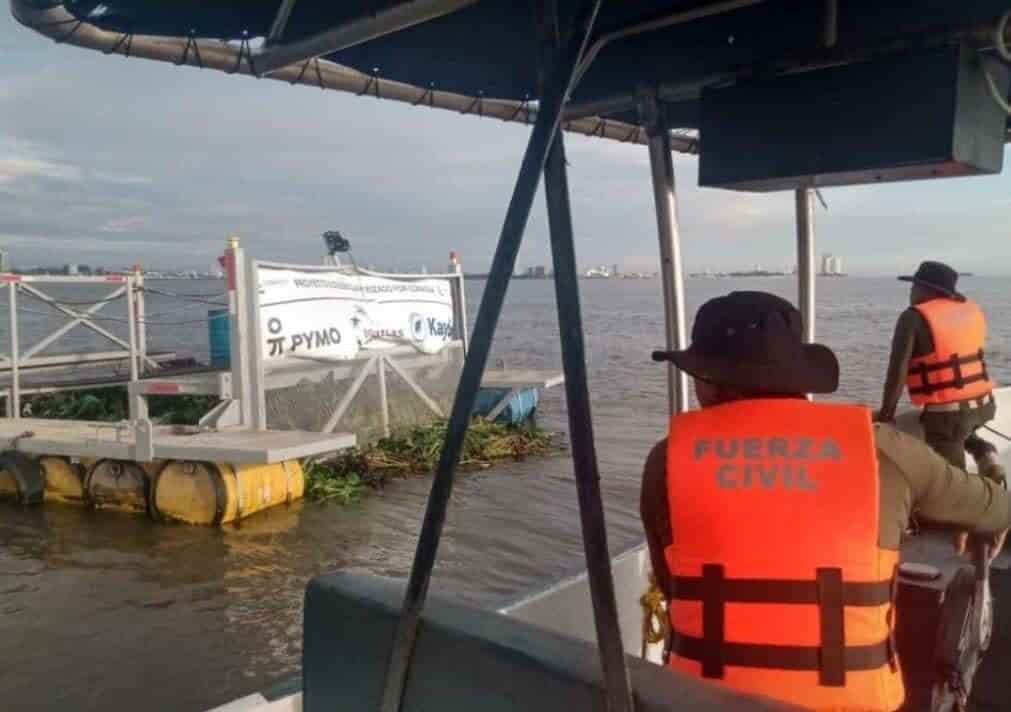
319	74
655	623
18	438
301	73
199	298
121	320
191	43
523	107
426	96
998	433
71	33
65	303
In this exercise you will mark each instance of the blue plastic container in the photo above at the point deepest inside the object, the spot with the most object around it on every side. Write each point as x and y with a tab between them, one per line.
519	409
219	336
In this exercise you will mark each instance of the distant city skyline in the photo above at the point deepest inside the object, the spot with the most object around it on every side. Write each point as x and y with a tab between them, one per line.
828	265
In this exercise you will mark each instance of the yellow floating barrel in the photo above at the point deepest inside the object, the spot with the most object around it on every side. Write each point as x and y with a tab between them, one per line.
8	485
64	480
217	493
21	477
118	485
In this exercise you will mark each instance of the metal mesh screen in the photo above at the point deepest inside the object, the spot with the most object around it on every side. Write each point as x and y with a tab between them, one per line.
311	397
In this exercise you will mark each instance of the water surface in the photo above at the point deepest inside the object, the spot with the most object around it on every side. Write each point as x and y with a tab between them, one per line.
108	612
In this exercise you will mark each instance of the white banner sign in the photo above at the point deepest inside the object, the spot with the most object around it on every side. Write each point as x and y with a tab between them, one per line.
315	314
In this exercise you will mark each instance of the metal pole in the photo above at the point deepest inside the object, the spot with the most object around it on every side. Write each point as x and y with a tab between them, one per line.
384	405
805	259
370	26
280	21
584	454
235	266
257	379
671	268
14	396
131	318
545	127
830	23
460	301
140	310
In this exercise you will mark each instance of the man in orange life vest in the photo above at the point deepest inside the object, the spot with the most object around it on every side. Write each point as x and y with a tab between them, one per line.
774	523
937	354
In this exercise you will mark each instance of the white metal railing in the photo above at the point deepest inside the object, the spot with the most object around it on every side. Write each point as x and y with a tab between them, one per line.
243	387
134	348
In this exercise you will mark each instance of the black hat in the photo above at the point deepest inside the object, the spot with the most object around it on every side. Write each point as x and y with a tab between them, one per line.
754	341
937	276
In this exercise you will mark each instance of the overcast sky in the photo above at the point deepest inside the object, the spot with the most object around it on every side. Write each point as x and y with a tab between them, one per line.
114	161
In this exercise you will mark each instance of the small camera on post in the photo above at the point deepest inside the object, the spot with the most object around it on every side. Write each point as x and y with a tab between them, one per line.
335	242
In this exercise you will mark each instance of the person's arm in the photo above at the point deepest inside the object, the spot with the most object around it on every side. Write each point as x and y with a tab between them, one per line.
653	509
898	363
941	492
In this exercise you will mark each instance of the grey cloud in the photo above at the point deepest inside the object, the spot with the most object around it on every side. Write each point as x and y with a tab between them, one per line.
137	161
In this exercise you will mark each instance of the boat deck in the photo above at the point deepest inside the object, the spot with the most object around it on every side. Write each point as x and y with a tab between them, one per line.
79	438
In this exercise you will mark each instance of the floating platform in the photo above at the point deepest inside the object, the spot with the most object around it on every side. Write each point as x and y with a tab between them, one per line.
184	474
512	395
80	438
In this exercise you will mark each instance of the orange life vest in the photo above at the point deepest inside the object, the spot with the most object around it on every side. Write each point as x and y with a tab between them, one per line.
780	586
956	369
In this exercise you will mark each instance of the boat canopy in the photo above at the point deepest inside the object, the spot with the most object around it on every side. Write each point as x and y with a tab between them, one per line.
482	56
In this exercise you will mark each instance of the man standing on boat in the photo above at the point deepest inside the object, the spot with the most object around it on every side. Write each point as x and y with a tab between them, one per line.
938	355
774	522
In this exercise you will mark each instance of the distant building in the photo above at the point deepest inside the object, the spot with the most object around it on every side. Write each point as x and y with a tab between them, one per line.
71	270
537	272
5	261
831	266
615	271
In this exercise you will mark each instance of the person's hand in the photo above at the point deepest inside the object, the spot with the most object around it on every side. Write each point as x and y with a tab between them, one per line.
995	544
961	542
878	417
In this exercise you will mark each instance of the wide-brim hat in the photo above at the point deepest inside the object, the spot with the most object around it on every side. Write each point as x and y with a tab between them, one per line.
936	276
754	341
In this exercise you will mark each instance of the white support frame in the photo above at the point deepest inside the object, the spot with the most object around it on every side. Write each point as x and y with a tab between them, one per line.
134	347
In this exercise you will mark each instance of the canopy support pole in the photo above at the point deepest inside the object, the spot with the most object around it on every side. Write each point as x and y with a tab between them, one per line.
671	267
553	96
805	259
352	33
584	453
280	22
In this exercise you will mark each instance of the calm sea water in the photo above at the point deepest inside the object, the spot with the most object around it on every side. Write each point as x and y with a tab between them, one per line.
105	612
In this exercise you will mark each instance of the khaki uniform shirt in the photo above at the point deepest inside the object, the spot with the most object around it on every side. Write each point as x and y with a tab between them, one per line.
913	479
